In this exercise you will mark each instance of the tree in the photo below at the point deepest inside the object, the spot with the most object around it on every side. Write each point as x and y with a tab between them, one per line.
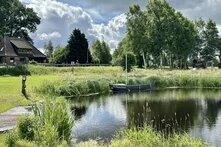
136	26
49	49
184	36
200	40
101	52
211	39
219	51
60	55
77	48
17	20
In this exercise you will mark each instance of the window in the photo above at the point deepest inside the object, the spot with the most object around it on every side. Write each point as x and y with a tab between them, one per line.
12	60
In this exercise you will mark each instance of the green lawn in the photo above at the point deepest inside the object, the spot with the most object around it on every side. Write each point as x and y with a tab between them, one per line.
2	140
10	90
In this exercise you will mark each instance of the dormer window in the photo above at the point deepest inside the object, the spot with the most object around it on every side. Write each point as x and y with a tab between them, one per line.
24	51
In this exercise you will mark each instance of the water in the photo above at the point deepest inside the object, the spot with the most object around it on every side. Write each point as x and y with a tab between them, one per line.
196	112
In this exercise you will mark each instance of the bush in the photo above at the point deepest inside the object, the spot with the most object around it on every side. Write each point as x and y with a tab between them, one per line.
26	128
14	71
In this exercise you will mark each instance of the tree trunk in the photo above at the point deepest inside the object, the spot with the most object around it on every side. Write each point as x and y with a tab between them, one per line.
144	60
161	61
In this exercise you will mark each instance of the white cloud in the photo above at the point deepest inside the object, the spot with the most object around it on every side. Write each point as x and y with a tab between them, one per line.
58	20
49	36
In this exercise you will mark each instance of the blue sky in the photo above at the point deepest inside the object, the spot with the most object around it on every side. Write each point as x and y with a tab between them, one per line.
102	19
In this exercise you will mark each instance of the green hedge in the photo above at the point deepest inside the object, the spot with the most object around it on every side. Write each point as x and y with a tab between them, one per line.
14	70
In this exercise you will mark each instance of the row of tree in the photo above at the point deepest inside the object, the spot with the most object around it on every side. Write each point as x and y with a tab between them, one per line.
77	51
159	36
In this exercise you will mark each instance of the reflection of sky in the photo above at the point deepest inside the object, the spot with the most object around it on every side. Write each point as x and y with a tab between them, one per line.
101	120
209	134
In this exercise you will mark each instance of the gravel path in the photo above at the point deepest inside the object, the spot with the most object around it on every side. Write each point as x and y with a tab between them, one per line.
9	118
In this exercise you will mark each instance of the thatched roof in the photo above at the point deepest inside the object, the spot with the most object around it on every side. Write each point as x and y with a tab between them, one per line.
13	44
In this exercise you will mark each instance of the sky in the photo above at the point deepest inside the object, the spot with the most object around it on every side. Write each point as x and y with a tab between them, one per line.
102	19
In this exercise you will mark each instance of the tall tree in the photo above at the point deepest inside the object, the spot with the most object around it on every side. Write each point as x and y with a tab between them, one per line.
136	26
200	40
77	48
59	55
17	20
184	36
49	49
211	39
101	52
160	17
219	51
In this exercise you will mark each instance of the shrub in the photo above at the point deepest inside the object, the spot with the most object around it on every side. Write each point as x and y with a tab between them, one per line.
26	127
14	71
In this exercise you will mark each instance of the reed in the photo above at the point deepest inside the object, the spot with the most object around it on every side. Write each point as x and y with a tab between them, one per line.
146	137
50	125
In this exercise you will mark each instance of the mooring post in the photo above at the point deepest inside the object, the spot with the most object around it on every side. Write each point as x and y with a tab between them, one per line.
24	78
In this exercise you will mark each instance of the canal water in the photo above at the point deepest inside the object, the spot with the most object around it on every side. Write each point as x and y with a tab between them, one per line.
192	111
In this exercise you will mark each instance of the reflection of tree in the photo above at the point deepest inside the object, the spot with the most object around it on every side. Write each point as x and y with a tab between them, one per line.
165	116
78	112
212	111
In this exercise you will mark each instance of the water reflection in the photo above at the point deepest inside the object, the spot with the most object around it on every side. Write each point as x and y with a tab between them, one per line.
196	112
101	119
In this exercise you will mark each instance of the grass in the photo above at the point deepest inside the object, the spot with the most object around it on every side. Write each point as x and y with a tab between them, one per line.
77	81
49	126
147	137
2	140
10	90
64	80
87	80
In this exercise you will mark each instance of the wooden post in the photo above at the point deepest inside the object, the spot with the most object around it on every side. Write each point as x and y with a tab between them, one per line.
24	78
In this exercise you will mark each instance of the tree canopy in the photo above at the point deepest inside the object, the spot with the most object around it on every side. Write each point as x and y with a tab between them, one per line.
77	48
161	36
49	49
101	52
17	20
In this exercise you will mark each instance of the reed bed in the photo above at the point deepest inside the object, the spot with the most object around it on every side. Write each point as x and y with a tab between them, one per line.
146	137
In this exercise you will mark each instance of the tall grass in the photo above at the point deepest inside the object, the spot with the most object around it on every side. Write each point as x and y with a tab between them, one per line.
73	87
147	137
50	125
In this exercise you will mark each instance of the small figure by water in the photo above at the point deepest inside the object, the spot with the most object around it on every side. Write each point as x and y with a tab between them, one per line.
24	78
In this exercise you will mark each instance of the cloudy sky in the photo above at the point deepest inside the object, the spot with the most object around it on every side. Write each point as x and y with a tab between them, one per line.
102	19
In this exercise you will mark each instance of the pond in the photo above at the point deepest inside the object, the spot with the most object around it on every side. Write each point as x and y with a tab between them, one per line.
193	111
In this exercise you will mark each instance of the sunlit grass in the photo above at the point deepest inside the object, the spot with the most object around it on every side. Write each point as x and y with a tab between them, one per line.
10	90
146	137
2	140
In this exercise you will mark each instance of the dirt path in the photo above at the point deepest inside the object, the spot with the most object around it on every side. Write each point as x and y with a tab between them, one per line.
9	118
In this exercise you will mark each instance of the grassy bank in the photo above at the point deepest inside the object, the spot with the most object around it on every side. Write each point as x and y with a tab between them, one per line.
77	81
147	137
74	86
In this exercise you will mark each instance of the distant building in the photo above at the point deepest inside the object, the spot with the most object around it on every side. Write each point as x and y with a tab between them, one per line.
19	51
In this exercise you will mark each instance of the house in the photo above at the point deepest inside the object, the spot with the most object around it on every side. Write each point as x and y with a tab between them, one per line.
15	51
